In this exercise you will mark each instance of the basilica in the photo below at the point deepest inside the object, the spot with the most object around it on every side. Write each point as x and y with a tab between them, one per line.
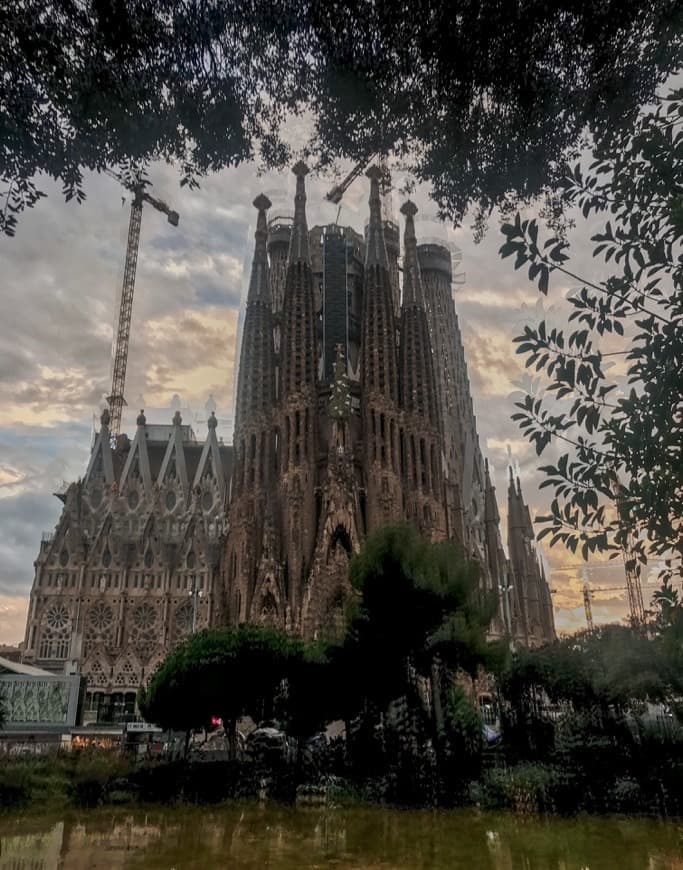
353	409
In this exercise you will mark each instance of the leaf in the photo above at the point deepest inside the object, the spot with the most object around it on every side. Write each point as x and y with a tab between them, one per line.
543	281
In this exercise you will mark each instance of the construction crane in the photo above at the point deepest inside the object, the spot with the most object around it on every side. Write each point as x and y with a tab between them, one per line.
633	588
337	193
122	336
587	605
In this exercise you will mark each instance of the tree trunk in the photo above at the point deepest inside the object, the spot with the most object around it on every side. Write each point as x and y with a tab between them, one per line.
439	730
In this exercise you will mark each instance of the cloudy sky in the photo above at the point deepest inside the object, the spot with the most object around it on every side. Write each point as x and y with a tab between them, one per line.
60	279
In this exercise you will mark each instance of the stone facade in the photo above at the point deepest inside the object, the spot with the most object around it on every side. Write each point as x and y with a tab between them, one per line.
133	562
353	409
369	420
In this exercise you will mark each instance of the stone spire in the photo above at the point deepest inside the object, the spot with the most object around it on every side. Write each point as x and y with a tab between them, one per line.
298	403
256	380
174	458
376	249
137	462
101	461
298	347
491	514
514	503
298	243
380	412
259	286
413	293
416	367
379	372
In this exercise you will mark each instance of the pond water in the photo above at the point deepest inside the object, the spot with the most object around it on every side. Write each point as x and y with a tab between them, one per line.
252	836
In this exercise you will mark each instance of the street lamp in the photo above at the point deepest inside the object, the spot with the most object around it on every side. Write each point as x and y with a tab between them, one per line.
195	594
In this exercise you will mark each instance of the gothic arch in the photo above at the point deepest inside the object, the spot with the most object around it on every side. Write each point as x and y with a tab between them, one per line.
340	538
127	671
268	603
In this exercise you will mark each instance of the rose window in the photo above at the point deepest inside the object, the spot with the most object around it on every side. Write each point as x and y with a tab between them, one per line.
101	615
183	617
144	616
58	616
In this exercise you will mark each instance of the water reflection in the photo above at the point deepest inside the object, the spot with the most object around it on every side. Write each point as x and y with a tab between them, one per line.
250	836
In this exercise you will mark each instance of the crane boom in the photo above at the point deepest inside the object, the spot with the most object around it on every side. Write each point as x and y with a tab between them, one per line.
122	338
336	194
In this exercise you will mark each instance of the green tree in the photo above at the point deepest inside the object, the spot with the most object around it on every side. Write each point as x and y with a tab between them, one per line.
667	601
607	669
418	600
618	481
484	100
668	636
421	618
224	672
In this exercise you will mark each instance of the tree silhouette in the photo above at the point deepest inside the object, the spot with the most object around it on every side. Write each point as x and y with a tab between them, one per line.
484	100
618	482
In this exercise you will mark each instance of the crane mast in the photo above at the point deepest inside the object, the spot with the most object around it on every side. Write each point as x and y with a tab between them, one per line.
116	399
633	588
122	338
588	607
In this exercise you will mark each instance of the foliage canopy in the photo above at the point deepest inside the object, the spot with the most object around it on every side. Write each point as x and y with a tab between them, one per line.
220	672
618	481
418	602
484	100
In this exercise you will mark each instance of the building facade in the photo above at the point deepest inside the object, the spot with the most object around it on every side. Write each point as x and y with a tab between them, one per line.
353	409
133	563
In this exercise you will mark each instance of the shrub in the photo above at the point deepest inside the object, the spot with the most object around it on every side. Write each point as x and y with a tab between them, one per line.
93	776
525	788
15	786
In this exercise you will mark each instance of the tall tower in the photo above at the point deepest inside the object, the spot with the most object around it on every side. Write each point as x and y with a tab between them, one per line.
420	432
279	234
494	574
532	595
254	437
298	404
435	265
380	413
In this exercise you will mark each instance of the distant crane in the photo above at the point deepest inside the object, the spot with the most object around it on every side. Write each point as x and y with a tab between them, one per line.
632	587
337	193
588	594
631	566
122	337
